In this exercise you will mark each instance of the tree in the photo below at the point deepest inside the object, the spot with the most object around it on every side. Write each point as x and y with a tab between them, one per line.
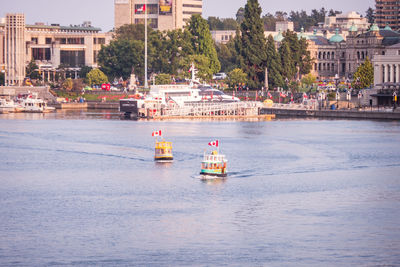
84	71
308	80
251	46
305	61
227	56
132	32
237	76
333	13
269	21
202	41
370	15
176	45
240	15
163	78
68	84
364	76
201	63
126	51
216	23
96	76
31	70
120	56
274	66
288	67
299	55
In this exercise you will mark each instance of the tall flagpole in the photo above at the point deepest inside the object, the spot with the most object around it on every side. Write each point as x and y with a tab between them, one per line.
146	85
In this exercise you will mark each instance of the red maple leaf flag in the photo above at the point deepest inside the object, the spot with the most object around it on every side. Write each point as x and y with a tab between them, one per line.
142	9
156	133
213	143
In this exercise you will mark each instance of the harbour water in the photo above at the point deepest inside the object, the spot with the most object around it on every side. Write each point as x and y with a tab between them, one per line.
81	188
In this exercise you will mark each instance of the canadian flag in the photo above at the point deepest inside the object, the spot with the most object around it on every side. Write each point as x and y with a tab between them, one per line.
213	143
282	95
269	95
142	9
305	96
157	133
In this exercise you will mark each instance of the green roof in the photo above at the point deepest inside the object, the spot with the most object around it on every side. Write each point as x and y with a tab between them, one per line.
374	28
279	37
78	28
337	38
387	28
302	35
353	28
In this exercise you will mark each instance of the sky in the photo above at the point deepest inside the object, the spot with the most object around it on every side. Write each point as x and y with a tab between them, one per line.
101	12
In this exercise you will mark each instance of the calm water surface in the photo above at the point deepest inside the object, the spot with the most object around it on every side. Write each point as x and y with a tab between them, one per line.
81	188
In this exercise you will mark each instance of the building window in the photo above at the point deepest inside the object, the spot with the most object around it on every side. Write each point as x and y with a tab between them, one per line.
41	53
72	58
150	8
34	40
99	40
153	23
76	41
48	40
61	40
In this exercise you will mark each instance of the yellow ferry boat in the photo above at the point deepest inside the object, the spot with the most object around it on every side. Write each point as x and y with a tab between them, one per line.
163	149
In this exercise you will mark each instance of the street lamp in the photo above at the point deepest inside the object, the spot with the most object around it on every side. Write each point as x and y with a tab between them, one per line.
337	81
359	99
394	100
348	98
337	98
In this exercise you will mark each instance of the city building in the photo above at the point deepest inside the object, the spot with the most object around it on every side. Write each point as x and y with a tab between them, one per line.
14	46
345	21
223	37
388	13
284	26
162	14
387	66
48	45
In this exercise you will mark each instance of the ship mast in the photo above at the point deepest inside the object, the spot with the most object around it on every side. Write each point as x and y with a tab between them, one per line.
146	85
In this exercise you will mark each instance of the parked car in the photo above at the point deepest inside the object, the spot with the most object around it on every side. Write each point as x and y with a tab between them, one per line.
219	76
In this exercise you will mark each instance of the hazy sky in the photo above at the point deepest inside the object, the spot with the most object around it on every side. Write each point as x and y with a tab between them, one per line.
101	12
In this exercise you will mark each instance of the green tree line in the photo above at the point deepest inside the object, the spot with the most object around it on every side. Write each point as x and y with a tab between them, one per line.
172	52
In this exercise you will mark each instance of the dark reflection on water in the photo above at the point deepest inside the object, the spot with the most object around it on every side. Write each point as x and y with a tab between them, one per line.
82	188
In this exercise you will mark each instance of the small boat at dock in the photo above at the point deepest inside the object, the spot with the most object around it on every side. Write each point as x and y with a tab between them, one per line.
31	103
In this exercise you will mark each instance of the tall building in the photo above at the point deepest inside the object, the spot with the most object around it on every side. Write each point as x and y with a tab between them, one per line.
162	14
388	13
14	48
48	45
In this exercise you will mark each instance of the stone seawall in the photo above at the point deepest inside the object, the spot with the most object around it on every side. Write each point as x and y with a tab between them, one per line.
42	91
333	114
86	105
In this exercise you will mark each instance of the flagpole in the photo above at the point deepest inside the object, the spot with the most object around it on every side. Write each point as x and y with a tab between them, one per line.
146	85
